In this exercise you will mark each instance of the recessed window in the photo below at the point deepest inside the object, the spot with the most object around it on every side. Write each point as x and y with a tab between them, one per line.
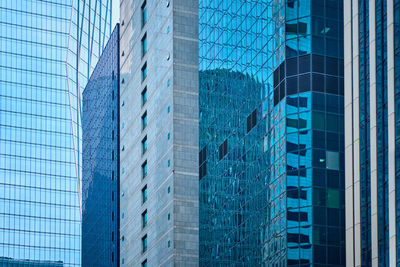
169	216
144	194
144	13
144	120
144	169
252	120
144	144
144	96
169	109
144	263
144	45
144	243
144	71
223	149
169	136
169	189
203	163
169	163
144	219
169	243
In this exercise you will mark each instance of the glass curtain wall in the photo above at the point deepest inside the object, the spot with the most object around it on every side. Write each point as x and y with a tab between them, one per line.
47	51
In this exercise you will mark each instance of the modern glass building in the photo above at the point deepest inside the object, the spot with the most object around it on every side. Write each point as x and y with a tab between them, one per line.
232	167
372	86
291	54
100	160
47	51
9	262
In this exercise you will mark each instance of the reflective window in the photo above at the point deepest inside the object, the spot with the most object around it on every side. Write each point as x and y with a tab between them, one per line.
144	243
144	219
144	96
144	144
144	169
144	45
144	71
144	120
144	13
144	194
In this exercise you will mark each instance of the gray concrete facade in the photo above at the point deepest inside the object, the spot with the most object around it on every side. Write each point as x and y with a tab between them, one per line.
171	84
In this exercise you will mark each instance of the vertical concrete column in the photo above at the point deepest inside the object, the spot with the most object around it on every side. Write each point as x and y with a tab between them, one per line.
391	134
356	135
373	144
348	100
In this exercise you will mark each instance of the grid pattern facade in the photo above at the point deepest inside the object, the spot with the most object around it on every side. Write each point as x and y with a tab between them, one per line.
8	262
233	169
159	131
371	133
300	198
232	74
308	104
100	163
47	49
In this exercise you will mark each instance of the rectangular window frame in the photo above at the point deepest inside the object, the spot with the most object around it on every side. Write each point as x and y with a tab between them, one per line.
144	44
144	243
144	96
144	219
144	120
144	194
144	145
144	13
223	149
144	71
144	169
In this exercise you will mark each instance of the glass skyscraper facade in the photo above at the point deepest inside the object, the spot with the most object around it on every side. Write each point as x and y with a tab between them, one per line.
8	262
372	140
232	169
47	51
100	160
291	55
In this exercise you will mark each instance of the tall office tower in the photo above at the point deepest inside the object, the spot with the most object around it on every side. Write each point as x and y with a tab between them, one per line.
100	160
46	54
372	87
289	54
159	133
